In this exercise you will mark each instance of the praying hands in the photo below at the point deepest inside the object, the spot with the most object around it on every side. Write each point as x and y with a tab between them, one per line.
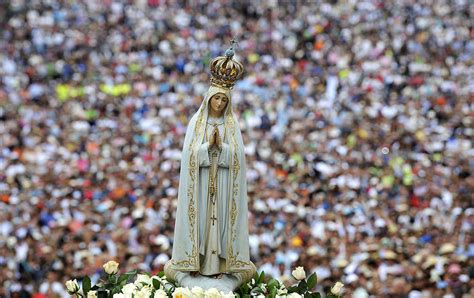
215	139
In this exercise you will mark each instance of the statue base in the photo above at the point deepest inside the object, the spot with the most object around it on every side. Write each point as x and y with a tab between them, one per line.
227	283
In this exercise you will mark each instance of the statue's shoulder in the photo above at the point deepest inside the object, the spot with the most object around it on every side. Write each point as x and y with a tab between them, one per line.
190	128
192	121
193	118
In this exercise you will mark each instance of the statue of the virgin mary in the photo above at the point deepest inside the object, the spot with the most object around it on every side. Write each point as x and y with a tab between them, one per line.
211	228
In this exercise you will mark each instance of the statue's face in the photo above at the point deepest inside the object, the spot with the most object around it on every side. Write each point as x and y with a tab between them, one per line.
218	103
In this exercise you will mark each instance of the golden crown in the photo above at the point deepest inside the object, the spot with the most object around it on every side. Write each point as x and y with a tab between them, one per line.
224	70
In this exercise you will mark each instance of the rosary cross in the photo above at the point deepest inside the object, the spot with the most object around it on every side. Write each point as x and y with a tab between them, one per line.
213	218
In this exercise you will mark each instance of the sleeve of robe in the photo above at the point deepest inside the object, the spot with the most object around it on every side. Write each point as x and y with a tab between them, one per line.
224	157
203	155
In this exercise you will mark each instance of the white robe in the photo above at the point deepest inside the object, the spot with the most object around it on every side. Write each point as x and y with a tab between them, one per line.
193	240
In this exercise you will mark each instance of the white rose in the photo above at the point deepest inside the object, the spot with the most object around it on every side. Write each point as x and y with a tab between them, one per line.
337	288
160	279
197	292
92	294
261	296
160	294
213	293
142	279
294	295
144	292
147	289
228	295
128	289
111	267
119	295
72	286
182	293
299	273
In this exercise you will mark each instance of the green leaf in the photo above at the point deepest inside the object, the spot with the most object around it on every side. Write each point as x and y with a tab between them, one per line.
312	280
86	285
131	273
109	286
113	279
161	274
156	284
123	278
292	289
261	277
273	292
302	287
316	295
115	290
273	283
256	275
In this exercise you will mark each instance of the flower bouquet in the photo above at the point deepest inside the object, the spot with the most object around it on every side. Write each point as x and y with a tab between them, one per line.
135	285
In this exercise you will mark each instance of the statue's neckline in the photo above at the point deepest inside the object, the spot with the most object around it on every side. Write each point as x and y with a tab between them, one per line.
215	121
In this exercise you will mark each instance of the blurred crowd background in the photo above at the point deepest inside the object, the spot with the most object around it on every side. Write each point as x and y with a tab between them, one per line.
357	118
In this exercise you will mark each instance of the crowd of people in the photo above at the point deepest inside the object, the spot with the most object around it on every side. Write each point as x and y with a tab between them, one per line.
356	116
